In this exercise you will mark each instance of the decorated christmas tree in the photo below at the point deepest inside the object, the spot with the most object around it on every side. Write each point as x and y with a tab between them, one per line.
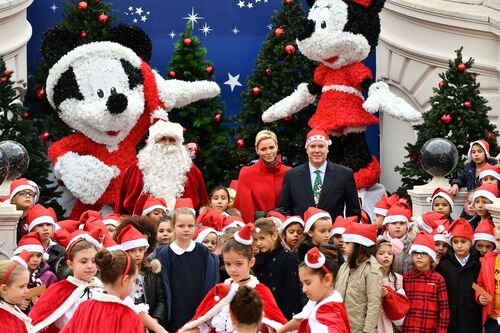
16	125
203	121
458	113
279	69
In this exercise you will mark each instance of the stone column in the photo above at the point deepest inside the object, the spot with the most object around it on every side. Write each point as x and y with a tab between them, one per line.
9	217
494	210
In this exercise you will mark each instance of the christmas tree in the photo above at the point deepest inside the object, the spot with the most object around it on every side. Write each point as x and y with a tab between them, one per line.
203	121
280	68
458	113
16	125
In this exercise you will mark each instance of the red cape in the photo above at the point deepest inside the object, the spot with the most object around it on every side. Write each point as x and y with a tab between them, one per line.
11	323
331	315
51	300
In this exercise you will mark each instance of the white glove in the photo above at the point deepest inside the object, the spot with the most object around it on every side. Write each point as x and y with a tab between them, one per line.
289	105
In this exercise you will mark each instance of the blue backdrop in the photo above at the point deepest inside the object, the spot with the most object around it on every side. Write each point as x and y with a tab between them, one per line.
231	30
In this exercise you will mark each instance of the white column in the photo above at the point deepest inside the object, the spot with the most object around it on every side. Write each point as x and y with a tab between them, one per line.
9	217
494	210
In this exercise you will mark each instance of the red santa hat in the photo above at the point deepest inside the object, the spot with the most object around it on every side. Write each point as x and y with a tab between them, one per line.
441	193
341	224
31	242
164	128
153	203
185	203
22	259
277	217
384	204
213	218
399	212
202	232
68	240
22	184
318	134
37	214
424	243
395	305
130	238
113	219
315	259
244	235
311	215
485	231
364	234
233	221
289	220
461	228
110	244
69	225
86	215
488	191
485	145
430	220
490	170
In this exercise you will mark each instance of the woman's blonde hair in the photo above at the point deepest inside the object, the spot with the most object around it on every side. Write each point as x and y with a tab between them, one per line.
264	135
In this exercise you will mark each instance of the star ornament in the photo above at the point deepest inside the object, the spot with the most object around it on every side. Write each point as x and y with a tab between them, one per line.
205	29
241	4
233	81
235	30
53	7
192	17
172	34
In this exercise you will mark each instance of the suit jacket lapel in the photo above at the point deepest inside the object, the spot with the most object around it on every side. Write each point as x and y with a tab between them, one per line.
306	182
327	182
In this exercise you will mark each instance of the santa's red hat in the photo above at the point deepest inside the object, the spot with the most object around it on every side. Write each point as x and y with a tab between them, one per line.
490	170
384	204
233	221
163	128
70	225
318	134
37	214
291	219
277	217
364	234
244	235
110	244
488	191
130	238
399	212
485	231
441	193
485	145
86	215
22	259
395	305
202	232
31	242
185	203
341	224
22	184
311	215
213	218
430	220
424	243
113	219
461	228
153	203
315	259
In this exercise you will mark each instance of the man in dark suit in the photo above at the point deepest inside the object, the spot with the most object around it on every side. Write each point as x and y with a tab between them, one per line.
319	183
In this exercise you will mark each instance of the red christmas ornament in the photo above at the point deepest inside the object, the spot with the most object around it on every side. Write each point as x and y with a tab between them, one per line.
184	130
441	85
461	67
446	119
6	73
414	157
218	118
82	5
279	31
3	79
255	91
268	71
240	143
103	18
187	41
45	136
25	115
172	74
40	93
491	135
290	49
242	159
288	2
209	70
467	104
83	34
288	118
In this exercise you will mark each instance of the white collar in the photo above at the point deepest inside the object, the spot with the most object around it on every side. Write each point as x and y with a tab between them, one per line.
180	251
322	168
252	282
95	282
463	261
102	297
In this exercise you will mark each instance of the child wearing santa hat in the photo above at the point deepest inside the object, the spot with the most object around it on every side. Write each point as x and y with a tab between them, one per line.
24	193
359	278
325	311
484	195
207	236
426	289
111	222
382	208
339	227
291	232
436	224
155	209
460	268
484	237
317	230
489	174
442	202
145	227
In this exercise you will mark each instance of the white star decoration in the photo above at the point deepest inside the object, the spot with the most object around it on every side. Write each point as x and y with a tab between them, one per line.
53	7
143	18
250	5
130	8
135	20
270	27
172	34
205	29
139	11
241	4
235	30
233	81
193	18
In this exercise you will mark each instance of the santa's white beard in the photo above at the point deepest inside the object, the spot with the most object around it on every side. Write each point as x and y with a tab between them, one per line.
164	169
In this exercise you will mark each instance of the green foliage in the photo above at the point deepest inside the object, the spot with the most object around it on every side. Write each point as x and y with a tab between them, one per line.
13	126
277	74
199	119
467	124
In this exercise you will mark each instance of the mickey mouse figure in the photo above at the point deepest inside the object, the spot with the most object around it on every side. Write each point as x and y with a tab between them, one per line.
339	34
107	92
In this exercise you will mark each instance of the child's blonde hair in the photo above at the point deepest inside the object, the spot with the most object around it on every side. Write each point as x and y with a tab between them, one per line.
5	265
182	211
266	225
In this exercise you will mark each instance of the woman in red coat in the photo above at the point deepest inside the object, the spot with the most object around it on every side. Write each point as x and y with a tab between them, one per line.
259	185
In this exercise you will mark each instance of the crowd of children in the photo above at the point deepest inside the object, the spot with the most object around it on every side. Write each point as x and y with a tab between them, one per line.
172	269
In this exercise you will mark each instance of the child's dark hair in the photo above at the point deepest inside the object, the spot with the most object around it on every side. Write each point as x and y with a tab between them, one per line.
360	251
329	263
79	246
392	275
217	188
141	223
246	306
112	265
231	245
330	251
166	218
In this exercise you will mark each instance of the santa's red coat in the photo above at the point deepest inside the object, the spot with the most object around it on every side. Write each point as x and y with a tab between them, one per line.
259	188
131	197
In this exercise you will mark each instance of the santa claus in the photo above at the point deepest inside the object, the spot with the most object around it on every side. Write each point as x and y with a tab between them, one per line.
163	169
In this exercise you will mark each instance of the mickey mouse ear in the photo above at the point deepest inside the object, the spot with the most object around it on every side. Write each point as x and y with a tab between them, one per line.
133	37
56	42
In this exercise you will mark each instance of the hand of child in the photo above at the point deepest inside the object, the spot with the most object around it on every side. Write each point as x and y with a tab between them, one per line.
24	305
34	299
384	291
483	300
454	189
